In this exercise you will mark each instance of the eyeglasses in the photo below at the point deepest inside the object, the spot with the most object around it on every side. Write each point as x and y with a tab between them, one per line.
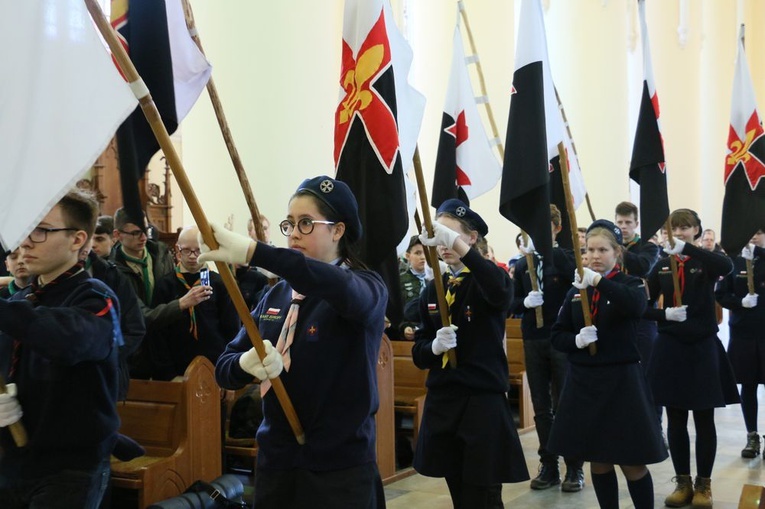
136	234
304	226
40	234
185	251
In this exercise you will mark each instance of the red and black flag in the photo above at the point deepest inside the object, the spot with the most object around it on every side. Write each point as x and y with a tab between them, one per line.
466	166
648	167
155	36
525	194
376	126
743	211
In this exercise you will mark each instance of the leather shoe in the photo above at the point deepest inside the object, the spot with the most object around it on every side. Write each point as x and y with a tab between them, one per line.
548	476
574	480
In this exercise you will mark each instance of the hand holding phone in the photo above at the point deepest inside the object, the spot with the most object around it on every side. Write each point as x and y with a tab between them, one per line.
204	276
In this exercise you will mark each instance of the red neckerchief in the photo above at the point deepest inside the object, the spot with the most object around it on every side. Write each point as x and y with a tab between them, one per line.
596	294
34	298
680	276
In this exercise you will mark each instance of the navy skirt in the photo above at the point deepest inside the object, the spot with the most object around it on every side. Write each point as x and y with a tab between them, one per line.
691	375
469	437
606	414
747	357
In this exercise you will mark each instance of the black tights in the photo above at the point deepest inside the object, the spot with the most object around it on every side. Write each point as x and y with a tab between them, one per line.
680	443
470	496
749	405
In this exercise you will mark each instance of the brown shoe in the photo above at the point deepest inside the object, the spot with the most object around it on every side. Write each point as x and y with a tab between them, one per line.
702	493
683	493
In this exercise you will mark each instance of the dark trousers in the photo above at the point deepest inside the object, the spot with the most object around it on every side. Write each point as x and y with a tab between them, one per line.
546	370
63	490
358	487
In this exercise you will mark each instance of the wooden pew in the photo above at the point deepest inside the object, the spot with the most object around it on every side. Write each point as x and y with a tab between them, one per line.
408	385
179	424
752	497
516	363
385	418
242	447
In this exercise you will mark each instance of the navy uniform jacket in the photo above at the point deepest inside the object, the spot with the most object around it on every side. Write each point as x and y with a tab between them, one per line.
639	258
744	323
66	377
622	303
702	270
332	381
481	304
556	283
171	345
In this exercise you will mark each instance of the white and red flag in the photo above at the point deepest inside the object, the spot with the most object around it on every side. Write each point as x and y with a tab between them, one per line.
743	211
466	166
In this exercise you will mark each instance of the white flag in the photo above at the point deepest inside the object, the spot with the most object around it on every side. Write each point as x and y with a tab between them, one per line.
62	101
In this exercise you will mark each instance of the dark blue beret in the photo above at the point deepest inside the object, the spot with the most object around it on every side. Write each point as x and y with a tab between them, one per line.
458	209
608	225
338	197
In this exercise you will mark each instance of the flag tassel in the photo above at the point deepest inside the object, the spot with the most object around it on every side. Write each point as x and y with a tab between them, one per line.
593	348
439	282
226	131
152	116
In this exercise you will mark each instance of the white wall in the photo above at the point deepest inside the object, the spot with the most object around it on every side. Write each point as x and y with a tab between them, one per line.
276	66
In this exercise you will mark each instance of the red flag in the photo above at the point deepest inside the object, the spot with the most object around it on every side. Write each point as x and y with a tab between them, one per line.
743	210
466	166
648	167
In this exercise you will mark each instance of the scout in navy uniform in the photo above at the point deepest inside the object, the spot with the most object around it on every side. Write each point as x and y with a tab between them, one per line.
546	366
58	350
467	433
746	349
605	414
336	308
689	370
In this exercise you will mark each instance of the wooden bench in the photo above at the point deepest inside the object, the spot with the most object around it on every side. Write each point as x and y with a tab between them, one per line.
179	425
516	363
752	497
242	447
408	385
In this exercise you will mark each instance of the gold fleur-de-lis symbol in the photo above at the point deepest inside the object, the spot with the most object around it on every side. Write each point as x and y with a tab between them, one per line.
355	82
740	149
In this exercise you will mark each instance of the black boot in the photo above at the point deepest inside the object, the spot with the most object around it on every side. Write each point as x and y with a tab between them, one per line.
549	476
574	480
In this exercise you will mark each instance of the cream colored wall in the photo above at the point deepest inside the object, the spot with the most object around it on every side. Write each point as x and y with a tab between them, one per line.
276	66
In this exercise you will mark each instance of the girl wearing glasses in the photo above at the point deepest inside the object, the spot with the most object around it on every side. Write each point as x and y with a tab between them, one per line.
324	322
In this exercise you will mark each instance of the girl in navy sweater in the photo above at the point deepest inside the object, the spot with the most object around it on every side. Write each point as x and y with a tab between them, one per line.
328	313
606	414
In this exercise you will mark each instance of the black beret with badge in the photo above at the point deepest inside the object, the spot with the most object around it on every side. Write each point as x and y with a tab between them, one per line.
338	197
608	225
458	209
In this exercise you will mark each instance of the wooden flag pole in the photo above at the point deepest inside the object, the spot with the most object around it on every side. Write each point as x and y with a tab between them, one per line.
500	148
155	121
673	264
593	348
750	277
18	432
438	281
226	132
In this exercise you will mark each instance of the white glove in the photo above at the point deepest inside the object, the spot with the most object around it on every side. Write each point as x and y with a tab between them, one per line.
748	252
270	367
442	236
678	314
586	336
749	301
232	247
528	247
534	299
446	339
588	278
677	249
10	410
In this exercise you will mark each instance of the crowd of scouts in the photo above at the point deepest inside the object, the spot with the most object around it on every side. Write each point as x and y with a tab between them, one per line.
92	302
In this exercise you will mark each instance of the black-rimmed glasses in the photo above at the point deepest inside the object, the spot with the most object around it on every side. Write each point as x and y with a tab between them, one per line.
185	251
40	234
136	234
304	226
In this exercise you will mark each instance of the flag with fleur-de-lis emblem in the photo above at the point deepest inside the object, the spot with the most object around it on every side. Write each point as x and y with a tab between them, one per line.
377	121
743	211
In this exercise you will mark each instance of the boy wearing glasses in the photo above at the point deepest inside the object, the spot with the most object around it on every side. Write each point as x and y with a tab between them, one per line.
58	351
196	318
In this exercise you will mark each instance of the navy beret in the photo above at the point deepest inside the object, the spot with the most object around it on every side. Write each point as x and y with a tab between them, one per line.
608	225
458	209
338	197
